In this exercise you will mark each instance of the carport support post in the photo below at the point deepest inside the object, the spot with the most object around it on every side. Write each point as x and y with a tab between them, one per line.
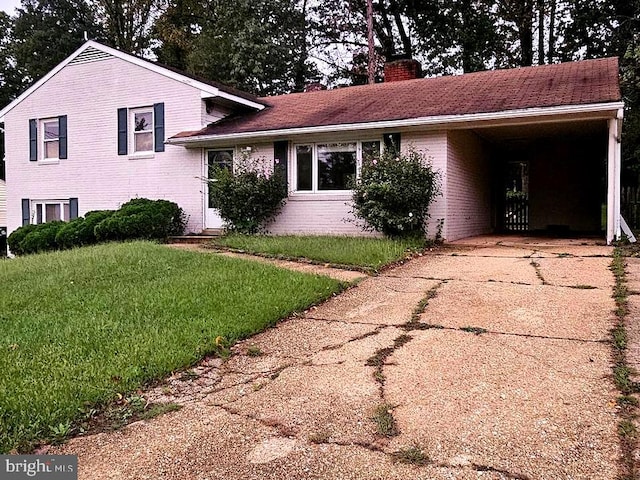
613	178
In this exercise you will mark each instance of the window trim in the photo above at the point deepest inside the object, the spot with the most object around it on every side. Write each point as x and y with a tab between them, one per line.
33	210
293	165
132	132
42	140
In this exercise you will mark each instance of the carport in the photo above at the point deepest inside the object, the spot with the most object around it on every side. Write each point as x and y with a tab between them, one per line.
557	176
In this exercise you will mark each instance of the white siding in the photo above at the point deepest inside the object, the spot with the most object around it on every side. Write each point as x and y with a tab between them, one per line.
90	94
468	183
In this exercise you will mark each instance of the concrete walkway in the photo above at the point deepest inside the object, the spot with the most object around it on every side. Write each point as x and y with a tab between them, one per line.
505	375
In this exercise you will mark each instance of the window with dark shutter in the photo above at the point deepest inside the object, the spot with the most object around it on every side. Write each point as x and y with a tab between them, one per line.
122	131
392	143
62	136
280	159
26	211
158	126
33	140
73	208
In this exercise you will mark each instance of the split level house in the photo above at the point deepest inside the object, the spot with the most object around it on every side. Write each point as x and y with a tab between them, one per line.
526	149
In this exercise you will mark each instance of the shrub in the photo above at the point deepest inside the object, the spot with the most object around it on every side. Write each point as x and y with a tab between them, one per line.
394	193
42	238
142	218
80	231
17	236
247	198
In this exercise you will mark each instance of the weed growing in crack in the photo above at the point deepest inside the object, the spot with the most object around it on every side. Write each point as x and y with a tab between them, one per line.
254	351
413	455
320	437
385	423
627	412
536	266
159	409
474	330
583	287
627	429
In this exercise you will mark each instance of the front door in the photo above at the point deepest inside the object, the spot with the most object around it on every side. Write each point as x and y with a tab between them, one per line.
216	159
516	196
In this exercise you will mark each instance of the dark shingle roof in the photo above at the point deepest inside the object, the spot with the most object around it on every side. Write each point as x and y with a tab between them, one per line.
573	83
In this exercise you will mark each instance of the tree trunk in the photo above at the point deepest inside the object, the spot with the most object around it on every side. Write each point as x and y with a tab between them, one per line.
540	32
371	65
552	26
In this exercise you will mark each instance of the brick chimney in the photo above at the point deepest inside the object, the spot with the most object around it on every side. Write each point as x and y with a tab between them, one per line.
403	69
314	87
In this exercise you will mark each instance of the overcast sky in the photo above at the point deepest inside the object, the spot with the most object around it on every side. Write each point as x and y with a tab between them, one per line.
9	5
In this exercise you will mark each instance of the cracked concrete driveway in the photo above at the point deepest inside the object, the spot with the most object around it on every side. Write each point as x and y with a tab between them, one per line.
504	374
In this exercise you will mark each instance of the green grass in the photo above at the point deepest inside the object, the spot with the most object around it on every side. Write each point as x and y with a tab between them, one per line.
366	253
80	326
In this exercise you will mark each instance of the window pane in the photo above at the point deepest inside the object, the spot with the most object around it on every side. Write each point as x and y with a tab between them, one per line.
39	213
51	130
52	211
51	149
336	166
144	142
370	150
304	163
220	159
143	121
66	211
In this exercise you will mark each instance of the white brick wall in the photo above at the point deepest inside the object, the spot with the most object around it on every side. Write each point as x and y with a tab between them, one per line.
468	192
3	203
90	94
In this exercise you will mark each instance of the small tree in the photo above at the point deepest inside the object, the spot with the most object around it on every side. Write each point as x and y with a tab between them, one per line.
247	197
394	192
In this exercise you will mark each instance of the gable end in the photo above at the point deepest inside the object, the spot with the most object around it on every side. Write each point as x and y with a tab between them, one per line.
91	54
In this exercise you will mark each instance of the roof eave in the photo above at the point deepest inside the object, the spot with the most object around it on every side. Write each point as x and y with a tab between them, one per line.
505	117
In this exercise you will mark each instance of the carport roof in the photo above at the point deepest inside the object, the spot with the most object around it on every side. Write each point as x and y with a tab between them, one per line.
566	84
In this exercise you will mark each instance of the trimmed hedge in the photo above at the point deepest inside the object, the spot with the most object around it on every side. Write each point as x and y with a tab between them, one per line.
137	219
42	239
141	218
81	231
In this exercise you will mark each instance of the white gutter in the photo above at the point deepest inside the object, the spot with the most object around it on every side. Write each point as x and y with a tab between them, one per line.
505	117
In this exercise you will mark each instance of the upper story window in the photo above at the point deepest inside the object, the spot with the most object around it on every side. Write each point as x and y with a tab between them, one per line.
142	121
48	139
331	167
141	130
51	139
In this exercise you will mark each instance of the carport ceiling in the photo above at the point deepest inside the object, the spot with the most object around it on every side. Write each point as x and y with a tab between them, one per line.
520	134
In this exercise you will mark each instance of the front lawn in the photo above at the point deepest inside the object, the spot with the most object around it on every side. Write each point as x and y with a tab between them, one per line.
80	326
366	253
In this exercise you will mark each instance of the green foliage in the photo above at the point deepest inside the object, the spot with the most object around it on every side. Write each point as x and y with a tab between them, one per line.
361	252
394	193
246	198
42	238
81	326
14	241
81	231
142	218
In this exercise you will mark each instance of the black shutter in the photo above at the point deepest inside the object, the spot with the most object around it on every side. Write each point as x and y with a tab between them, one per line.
62	136
392	143
158	127
33	140
73	208
122	131
281	159
26	211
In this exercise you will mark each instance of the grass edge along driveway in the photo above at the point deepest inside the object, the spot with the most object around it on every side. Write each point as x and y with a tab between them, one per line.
81	326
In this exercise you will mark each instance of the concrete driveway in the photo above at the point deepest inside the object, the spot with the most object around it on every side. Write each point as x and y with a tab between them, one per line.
503	374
